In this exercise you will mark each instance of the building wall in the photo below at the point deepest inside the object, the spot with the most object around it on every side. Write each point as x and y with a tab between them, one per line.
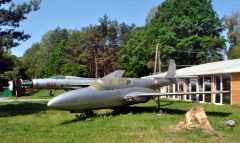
235	89
218	82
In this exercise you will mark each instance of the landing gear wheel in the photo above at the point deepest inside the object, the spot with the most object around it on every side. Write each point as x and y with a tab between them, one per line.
50	93
89	114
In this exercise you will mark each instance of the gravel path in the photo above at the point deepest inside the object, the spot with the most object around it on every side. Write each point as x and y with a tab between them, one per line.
22	100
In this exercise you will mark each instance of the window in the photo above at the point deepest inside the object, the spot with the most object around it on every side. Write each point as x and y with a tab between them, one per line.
226	98
194	89
218	98
200	86
207	83
218	82
226	83
208	98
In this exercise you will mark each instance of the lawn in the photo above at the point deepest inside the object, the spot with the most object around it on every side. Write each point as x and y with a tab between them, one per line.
39	94
32	122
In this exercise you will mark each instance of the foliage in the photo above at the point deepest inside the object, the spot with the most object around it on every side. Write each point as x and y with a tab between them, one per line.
74	69
93	48
6	62
232	24
17	72
55	61
151	15
188	30
36	58
133	54
31	62
185	30
234	53
11	16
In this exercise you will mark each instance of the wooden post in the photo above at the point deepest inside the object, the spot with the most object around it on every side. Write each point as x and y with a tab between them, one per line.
159	59
184	89
157	64
203	95
221	89
197	90
156	59
213	89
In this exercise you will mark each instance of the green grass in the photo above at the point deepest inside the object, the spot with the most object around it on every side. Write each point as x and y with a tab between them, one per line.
32	122
42	94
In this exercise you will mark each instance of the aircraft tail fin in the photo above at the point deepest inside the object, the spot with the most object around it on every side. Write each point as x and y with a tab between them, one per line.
171	70
116	74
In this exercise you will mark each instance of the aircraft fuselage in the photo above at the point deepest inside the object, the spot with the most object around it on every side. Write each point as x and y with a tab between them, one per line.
61	83
100	96
89	98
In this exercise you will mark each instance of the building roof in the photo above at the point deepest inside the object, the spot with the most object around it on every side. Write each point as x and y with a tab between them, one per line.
221	67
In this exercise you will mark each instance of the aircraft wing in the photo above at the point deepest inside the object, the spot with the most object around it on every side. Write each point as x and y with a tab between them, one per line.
133	95
185	76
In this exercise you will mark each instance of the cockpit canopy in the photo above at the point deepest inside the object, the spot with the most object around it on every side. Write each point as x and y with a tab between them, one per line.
58	77
113	80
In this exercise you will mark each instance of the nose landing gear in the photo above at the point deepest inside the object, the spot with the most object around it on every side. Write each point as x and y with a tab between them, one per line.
84	115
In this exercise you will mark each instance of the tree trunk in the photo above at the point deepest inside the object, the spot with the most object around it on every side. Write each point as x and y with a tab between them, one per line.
96	63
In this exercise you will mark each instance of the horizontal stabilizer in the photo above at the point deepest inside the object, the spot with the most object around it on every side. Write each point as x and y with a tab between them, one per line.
171	70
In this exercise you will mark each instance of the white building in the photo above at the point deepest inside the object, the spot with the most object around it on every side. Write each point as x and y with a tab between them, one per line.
215	76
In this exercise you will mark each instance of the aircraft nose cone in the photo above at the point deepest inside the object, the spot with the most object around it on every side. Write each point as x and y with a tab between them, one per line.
61	102
64	101
54	103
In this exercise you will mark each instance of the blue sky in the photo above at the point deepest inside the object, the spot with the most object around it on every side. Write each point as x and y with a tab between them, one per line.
74	14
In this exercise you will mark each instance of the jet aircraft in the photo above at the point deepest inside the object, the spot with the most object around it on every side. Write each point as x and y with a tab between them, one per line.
60	82
113	91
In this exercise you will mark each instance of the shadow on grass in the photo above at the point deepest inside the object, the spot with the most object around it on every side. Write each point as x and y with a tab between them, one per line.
139	110
33	92
9	110
115	112
209	113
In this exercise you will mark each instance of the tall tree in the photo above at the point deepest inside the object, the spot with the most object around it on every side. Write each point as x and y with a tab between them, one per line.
74	69
151	15
234	52
11	15
93	48
133	55
232	24
188	32
124	32
32	62
55	61
36	58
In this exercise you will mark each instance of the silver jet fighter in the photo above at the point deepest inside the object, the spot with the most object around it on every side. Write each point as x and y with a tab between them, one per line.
60	82
111	91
